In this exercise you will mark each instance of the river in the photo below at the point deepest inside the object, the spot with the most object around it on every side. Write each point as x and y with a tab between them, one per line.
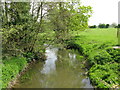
62	69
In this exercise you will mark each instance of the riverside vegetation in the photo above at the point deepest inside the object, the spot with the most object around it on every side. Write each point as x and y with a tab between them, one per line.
27	26
103	61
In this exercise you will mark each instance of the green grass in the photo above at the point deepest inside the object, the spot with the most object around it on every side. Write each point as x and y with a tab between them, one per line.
11	68
99	35
96	45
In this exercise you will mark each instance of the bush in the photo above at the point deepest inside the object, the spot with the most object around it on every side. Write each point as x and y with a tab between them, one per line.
100	57
115	54
29	56
105	76
94	26
103	63
102	26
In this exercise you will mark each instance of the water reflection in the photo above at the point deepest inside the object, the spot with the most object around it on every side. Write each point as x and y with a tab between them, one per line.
86	81
49	66
61	70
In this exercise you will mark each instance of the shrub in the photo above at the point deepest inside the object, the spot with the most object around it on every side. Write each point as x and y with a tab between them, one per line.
115	54
105	76
29	56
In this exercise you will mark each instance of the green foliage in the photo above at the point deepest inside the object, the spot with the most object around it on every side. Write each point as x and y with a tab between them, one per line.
102	25
118	26
94	26
64	18
8	74
107	25
79	19
25	33
96	45
17	13
11	68
99	57
114	53
105	76
20	62
29	56
20	39
19	30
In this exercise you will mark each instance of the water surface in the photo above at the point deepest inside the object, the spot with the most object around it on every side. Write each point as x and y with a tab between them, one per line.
62	69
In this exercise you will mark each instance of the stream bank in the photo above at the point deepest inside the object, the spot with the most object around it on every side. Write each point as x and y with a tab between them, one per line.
13	68
102	59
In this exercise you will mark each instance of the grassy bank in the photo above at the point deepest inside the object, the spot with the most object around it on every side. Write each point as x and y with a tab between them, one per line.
103	60
11	68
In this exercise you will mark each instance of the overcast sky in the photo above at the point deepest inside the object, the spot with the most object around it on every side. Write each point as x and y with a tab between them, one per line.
104	11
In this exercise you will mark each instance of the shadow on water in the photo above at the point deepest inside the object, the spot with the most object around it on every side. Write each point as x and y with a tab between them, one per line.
62	69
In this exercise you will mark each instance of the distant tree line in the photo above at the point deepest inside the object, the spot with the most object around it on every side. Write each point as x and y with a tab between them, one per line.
113	25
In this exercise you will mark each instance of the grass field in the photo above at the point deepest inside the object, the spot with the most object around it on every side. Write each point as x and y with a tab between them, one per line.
96	45
99	35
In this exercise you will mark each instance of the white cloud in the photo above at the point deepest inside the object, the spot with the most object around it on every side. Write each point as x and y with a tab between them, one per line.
105	11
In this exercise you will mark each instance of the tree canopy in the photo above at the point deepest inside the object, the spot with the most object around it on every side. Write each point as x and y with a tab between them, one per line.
27	26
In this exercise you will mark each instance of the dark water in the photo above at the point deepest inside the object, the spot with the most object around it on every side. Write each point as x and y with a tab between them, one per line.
62	69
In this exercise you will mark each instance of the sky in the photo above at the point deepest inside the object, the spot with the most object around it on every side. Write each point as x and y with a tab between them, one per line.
104	11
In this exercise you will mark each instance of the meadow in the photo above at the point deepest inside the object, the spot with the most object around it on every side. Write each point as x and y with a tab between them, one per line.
103	61
99	35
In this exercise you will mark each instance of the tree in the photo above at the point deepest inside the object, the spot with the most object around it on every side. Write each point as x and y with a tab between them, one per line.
66	18
101	25
24	32
20	29
15	13
94	26
118	26
107	25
